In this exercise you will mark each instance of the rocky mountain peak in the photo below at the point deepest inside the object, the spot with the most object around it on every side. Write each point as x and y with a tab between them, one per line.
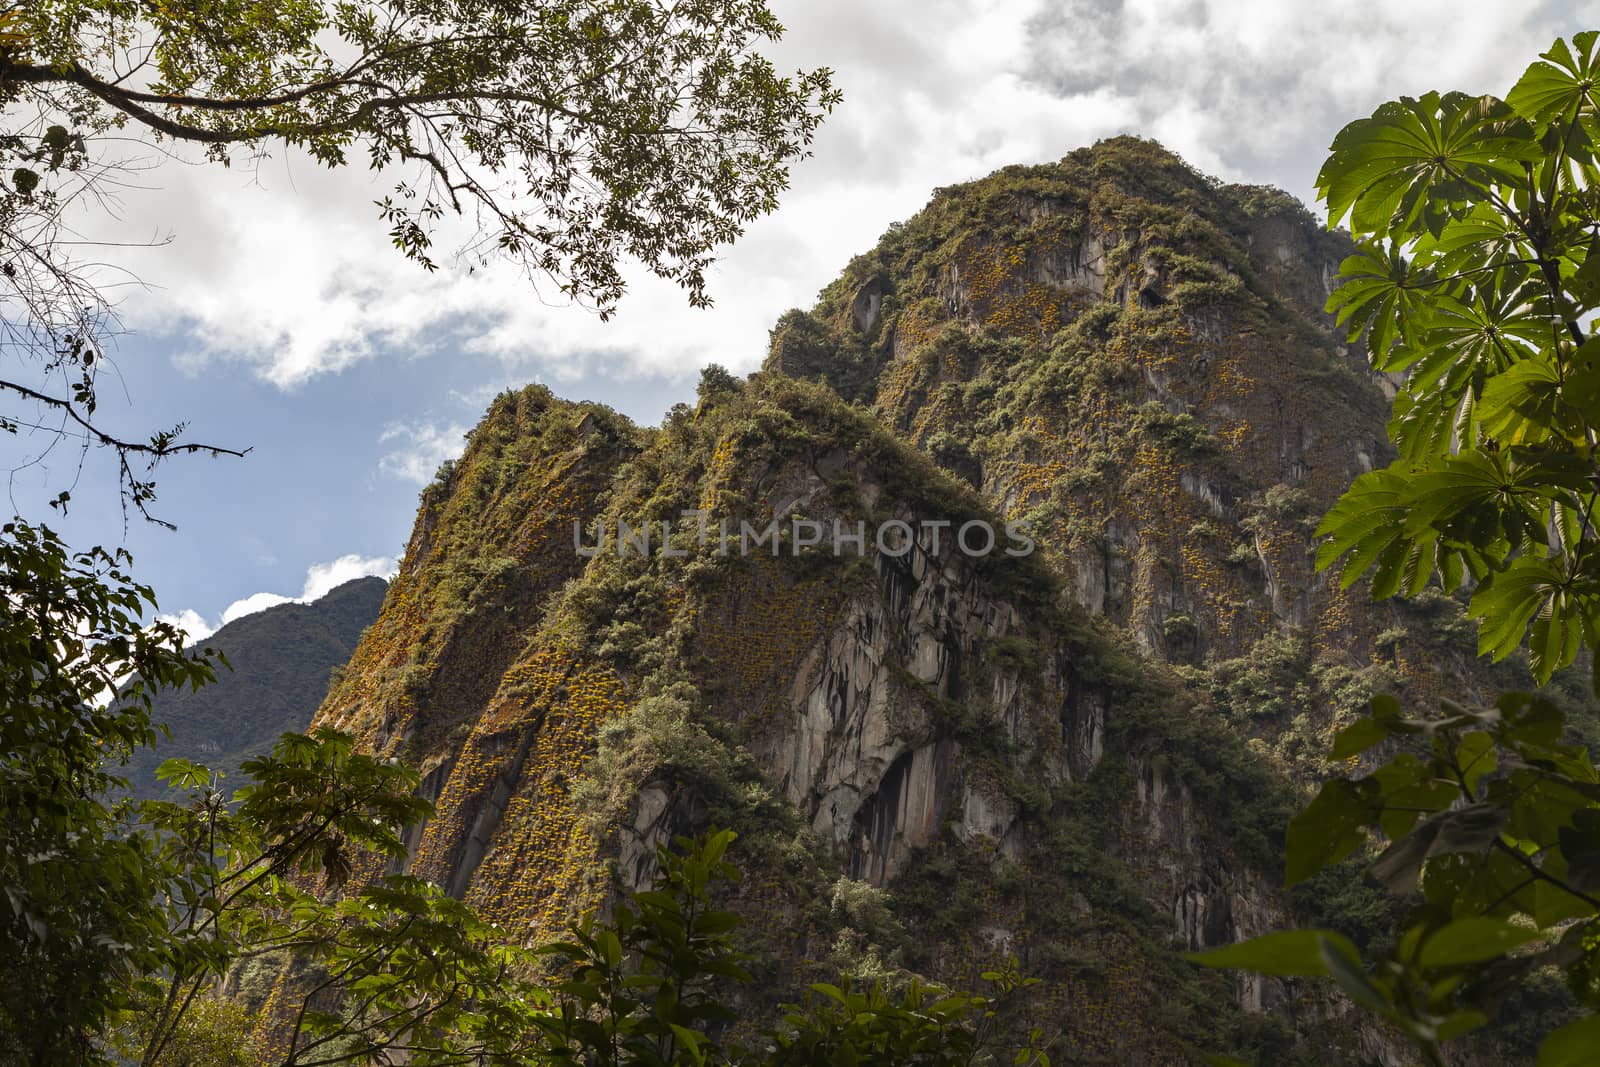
1081	755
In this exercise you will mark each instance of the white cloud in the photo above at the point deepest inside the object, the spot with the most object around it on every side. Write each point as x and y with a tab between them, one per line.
189	621
251	604
1256	91
324	578
321	579
423	447
289	271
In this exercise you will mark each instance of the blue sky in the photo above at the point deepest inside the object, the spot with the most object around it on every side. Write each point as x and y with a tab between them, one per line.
277	317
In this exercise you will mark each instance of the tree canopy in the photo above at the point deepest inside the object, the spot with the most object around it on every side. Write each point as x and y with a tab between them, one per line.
80	917
568	136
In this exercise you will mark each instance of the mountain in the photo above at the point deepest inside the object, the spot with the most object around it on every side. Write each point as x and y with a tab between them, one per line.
281	659
936	757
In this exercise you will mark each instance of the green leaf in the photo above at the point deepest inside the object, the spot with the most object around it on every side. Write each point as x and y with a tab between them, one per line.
1473	941
1357	738
1478	497
1344	965
1524	405
832	992
1483	237
1536	591
717	844
1425	424
183	774
1369	524
1582	388
610	948
1385	172
1553	905
1580	848
1331	827
715	922
1459	1023
1409	790
1462	338
1573	1045
1561	81
691	1041
1584	285
1379	294
1285	954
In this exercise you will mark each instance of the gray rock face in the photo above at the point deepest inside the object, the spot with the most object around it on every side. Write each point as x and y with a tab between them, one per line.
1212	902
858	753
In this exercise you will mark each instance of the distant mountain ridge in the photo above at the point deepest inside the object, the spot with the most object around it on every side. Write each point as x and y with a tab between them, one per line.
281	659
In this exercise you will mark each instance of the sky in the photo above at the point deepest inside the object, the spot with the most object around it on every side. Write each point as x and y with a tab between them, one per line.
273	314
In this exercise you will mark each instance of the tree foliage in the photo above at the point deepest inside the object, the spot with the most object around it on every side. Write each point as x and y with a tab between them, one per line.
384	965
654	986
655	130
81	917
122	922
1478	279
258	877
569	136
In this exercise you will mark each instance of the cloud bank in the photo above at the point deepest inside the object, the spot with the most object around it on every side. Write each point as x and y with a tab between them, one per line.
321	579
288	271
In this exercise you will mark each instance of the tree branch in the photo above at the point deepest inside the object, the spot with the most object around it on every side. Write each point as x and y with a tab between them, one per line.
125	447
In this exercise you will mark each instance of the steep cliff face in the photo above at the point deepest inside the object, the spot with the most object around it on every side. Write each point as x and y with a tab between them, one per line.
1135	359
1084	757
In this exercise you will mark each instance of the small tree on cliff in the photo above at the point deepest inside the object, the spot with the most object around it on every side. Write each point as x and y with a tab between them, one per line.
1478	275
569	134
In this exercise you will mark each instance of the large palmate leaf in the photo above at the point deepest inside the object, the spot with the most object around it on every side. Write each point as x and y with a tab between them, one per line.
1476	243
1429	424
1379	293
1561	81
1418	162
1543	592
1451	516
1369	524
1480	496
1463	339
1531	401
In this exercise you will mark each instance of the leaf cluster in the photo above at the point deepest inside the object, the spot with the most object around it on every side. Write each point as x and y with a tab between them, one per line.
1474	279
1492	818
79	917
